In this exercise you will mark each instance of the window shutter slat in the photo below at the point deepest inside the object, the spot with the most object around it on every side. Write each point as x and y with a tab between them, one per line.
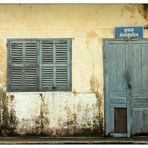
30	81
16	53
47	52
61	77
31	53
61	53
47	77
16	78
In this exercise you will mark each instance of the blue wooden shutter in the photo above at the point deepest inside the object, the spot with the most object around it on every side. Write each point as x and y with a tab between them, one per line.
46	65
22	65
15	66
62	64
55	64
31	66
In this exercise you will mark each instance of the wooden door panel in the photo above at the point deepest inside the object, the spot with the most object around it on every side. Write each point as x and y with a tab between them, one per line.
120	120
115	80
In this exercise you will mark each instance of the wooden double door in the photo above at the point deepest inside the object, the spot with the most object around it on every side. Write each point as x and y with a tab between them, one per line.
126	87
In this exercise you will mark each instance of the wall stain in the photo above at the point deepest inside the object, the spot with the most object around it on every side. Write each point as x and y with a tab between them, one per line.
42	121
130	8
94	87
30	7
3	65
12	117
40	125
143	10
92	34
74	92
71	118
8	119
4	114
122	12
145	7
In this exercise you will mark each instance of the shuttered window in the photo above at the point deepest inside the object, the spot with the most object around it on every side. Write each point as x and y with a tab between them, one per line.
39	65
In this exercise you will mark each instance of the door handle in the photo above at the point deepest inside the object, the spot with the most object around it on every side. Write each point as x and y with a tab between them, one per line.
129	86
54	87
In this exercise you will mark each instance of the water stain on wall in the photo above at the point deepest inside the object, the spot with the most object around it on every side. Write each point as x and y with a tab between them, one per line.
130	8
94	87
92	34
143	10
42	121
8	119
3	63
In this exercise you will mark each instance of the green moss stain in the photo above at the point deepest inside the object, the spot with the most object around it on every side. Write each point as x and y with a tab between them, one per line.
71	117
4	114
94	87
8	119
42	121
12	117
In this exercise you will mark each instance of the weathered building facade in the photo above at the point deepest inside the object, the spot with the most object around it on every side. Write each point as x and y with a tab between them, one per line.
63	96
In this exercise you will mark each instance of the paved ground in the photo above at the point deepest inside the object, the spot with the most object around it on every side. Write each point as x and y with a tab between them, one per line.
73	140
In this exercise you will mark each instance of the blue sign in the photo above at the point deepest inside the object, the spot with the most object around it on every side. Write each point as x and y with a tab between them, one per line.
129	32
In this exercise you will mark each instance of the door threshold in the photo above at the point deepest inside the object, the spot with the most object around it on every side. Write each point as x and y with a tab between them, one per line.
119	134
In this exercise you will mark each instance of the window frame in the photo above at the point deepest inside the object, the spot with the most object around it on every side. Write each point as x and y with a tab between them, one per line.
69	66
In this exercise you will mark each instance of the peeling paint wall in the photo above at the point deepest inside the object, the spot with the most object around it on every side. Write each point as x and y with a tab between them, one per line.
76	113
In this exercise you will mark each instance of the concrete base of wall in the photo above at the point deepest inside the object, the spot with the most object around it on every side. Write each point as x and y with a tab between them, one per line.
76	140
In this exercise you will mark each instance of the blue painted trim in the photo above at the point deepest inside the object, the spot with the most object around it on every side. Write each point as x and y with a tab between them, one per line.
111	116
106	87
128	67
